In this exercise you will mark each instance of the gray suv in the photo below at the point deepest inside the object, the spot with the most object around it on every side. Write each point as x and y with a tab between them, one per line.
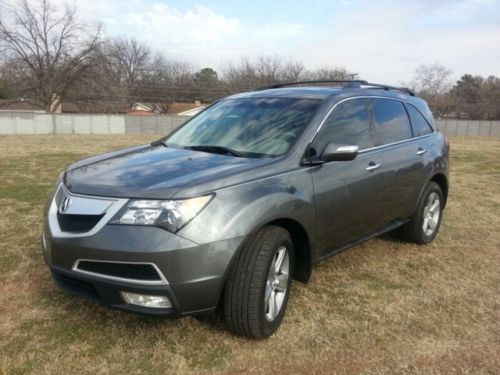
222	213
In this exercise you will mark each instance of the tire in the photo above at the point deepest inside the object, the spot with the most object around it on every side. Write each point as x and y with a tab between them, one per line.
413	231
248	292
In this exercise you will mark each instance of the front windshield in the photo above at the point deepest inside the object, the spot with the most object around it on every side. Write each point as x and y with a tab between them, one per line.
251	127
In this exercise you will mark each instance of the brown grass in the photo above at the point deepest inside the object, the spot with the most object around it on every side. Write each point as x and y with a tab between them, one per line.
382	307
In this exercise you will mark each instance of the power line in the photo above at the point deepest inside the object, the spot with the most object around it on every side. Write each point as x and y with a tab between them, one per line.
212	93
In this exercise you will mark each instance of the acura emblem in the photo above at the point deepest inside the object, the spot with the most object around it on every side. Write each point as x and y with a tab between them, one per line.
65	204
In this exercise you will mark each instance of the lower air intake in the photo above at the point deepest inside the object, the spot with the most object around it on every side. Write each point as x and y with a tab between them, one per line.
131	271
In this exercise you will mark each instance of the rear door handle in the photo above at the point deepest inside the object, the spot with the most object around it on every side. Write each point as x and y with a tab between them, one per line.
421	151
372	166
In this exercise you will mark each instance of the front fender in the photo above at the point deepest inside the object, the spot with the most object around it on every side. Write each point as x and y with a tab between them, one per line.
239	210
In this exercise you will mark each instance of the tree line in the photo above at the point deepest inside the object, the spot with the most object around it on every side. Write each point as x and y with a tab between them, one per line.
472	96
49	54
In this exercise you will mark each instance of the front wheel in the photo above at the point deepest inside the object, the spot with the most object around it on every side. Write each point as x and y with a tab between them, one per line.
424	225
258	286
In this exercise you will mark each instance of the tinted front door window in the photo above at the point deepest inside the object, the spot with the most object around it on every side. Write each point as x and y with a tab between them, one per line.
391	121
348	124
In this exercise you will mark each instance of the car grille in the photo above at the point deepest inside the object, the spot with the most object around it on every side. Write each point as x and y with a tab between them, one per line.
77	223
143	272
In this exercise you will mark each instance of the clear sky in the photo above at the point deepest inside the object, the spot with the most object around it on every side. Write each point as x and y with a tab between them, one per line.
382	40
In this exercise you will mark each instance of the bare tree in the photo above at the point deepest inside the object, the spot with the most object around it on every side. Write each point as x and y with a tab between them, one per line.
48	48
328	73
262	71
490	93
272	69
169	81
432	80
268	70
129	62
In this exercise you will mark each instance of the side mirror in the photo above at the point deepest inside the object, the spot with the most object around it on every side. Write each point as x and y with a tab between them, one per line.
333	152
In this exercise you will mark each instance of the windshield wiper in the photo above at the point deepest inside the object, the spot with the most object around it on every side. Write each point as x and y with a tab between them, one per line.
158	142
216	150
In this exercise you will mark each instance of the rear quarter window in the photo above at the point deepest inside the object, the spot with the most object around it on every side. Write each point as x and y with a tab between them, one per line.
419	124
391	121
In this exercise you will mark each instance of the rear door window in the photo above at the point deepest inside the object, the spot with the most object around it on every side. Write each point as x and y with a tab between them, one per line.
419	124
391	121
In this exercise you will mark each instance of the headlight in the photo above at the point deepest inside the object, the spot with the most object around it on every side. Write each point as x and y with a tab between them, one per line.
171	214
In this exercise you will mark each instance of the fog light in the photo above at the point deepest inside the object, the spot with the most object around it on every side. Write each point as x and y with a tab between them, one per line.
159	302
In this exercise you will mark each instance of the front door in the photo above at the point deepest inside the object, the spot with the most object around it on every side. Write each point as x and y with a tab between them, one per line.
349	195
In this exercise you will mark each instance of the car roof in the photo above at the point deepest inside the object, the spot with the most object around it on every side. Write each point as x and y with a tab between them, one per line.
322	92
302	92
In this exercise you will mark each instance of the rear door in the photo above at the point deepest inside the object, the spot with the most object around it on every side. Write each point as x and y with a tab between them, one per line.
349	195
401	156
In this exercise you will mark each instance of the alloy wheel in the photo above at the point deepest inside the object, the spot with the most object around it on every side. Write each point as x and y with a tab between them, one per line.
432	210
277	284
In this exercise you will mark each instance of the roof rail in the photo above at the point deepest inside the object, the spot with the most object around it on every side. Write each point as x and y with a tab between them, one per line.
279	85
387	87
348	84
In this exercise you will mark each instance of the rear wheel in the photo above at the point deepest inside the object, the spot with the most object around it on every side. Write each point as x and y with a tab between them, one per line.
424	224
258	286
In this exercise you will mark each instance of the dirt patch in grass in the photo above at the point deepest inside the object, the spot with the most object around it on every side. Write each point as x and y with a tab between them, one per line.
381	307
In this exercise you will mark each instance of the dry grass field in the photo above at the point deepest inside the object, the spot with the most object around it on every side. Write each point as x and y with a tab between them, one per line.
381	307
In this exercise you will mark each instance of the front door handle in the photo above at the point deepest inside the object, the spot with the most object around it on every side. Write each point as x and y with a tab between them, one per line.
372	166
421	151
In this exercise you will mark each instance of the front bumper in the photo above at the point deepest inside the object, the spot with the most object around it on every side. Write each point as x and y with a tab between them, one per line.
194	272
109	292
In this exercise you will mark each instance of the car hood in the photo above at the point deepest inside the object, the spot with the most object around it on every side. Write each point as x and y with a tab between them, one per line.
157	172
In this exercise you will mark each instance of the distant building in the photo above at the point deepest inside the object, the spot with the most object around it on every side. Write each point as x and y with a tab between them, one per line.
181	109
21	105
139	108
94	107
186	109
192	112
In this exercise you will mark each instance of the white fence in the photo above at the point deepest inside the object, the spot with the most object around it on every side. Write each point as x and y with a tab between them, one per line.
46	123
483	128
